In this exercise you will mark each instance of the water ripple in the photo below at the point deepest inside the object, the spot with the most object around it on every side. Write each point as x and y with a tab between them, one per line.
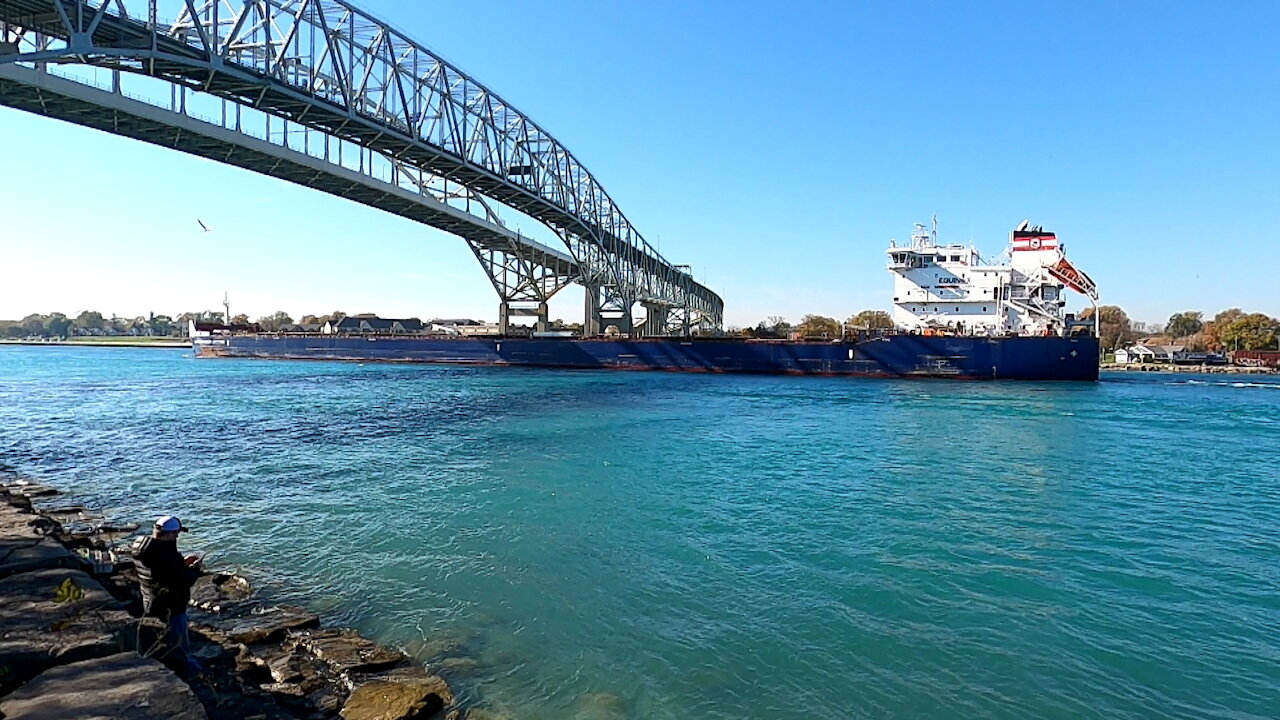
598	545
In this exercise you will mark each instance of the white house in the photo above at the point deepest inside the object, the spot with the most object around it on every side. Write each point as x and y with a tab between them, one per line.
1141	353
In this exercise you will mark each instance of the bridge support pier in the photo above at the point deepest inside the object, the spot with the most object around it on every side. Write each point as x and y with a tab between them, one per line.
679	321
605	308
655	320
508	310
591	311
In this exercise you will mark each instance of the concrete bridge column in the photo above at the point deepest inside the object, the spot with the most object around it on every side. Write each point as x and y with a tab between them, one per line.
655	320
591	311
623	322
507	310
541	325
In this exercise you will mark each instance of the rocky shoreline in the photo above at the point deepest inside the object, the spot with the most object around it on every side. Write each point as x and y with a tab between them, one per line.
72	643
1206	369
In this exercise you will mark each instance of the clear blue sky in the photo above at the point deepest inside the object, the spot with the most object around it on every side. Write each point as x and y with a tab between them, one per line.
775	147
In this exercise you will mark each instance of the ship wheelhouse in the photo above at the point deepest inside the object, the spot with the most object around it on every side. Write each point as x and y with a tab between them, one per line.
949	288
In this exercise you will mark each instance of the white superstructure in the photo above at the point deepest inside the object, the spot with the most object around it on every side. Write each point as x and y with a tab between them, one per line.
948	288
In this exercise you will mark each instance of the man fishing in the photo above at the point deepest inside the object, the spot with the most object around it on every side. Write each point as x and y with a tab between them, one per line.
166	578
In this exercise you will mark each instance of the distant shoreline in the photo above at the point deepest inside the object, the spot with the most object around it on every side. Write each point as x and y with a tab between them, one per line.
97	342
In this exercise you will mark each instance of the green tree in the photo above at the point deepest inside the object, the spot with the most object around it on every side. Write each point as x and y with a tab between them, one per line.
1114	327
871	320
240	319
1185	324
89	320
772	327
1213	329
275	321
33	324
57	325
818	326
1254	331
161	325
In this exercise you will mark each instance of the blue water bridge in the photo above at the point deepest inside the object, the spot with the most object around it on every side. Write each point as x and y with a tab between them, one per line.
324	94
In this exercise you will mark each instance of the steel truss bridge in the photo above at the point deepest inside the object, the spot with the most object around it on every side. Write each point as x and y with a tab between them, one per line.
323	94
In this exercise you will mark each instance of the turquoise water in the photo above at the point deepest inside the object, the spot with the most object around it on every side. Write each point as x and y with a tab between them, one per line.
639	545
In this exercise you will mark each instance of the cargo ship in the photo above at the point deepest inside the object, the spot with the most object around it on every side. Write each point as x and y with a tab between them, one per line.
954	316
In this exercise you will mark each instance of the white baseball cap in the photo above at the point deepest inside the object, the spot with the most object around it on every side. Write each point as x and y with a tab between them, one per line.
169	523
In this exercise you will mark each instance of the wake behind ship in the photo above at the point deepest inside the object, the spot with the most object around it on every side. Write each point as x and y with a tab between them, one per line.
954	316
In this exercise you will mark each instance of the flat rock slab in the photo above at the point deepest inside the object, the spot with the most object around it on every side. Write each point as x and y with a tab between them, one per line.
32	490
54	617
20	556
19	523
124	686
402	694
346	652
254	624
25	544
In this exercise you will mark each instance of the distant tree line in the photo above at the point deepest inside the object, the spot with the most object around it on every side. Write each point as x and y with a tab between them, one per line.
1232	329
91	323
816	326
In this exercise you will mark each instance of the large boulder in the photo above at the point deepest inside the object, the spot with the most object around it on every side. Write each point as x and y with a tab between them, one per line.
125	686
402	694
54	617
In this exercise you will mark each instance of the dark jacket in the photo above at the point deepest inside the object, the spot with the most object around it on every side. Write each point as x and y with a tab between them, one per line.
164	576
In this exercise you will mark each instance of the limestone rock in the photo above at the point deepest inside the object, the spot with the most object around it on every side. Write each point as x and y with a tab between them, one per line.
53	617
29	489
25	556
283	688
25	543
288	665
125	686
403	694
297	679
218	591
347	652
253	624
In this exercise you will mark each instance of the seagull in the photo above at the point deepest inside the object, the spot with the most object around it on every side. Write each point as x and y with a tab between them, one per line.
202	225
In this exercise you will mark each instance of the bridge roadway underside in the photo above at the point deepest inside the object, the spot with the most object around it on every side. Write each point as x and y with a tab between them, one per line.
39	92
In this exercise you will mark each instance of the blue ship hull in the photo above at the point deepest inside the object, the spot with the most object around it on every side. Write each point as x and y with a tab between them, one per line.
1011	358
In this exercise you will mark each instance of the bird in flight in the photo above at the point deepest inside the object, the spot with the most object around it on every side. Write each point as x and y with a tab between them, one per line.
202	225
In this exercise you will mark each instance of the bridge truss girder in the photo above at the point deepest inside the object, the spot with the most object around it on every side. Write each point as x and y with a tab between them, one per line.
328	66
518	267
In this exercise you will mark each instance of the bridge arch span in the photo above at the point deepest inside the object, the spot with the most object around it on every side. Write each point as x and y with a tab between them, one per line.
327	67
